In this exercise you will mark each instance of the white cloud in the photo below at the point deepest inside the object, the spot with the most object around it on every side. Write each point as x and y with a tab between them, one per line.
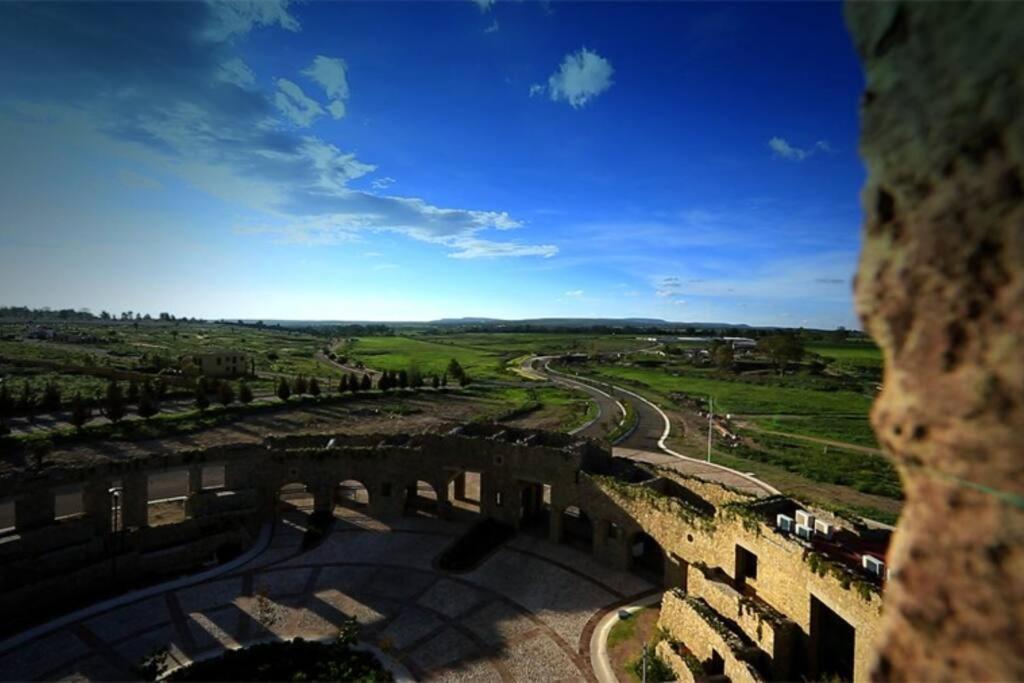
781	148
237	144
331	74
469	248
238	72
484	5
337	109
536	89
240	16
574	293
582	76
493	28
382	183
295	104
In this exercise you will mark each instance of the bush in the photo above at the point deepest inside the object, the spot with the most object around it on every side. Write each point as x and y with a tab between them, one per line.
298	660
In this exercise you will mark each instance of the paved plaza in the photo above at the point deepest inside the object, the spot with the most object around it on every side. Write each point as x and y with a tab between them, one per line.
525	614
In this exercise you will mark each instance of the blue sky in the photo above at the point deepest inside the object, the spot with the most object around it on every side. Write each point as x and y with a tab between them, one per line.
410	161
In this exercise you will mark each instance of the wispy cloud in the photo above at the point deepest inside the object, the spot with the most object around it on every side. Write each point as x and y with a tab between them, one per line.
493	28
206	121
582	76
484	5
782	148
295	104
574	293
382	183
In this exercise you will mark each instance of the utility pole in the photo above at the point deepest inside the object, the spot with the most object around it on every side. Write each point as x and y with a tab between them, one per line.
711	410
644	664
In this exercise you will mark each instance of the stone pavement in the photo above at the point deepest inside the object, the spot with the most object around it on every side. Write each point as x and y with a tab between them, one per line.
525	614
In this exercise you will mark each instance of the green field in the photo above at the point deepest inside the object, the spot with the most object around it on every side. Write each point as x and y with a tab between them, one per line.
742	397
403	353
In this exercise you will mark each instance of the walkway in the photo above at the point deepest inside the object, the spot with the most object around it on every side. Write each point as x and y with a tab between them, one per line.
523	615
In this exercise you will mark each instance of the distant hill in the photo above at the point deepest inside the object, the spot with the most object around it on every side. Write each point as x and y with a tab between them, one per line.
582	322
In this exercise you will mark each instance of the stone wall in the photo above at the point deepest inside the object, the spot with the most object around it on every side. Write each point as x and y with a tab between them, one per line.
941	288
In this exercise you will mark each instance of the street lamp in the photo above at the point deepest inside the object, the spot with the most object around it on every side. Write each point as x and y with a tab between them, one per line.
115	507
711	410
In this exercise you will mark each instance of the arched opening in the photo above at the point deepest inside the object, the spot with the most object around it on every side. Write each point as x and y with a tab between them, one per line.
294	498
352	494
534	507
464	491
421	499
577	529
647	558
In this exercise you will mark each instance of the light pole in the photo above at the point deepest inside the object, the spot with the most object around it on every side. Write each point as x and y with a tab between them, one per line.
711	410
115	507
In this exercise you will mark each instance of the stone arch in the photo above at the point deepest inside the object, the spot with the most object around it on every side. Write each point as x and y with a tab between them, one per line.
352	493
647	557
421	498
295	496
577	529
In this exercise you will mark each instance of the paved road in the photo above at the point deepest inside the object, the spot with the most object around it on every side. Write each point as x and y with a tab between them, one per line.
599	659
647	442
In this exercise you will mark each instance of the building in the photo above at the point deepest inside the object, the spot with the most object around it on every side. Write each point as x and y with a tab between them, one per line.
222	363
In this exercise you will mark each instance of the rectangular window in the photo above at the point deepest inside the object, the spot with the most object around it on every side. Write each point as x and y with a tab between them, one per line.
497	498
746	565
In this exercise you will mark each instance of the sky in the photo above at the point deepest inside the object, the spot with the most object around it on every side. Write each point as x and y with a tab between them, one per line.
414	161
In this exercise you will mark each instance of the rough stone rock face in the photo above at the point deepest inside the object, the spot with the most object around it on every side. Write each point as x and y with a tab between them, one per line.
941	287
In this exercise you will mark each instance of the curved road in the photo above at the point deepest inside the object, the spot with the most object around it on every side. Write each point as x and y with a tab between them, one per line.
646	443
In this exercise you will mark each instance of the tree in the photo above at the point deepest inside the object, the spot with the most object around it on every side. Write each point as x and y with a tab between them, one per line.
148	403
781	349
113	403
343	384
455	370
225	394
444	380
353	382
51	397
384	381
6	402
464	380
80	412
314	387
133	392
366	384
201	400
722	354
160	388
283	391
26	403
403	379
299	386
435	382
244	392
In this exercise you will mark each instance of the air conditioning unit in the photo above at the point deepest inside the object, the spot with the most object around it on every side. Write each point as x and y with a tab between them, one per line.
873	565
823	528
803	531
785	523
805	518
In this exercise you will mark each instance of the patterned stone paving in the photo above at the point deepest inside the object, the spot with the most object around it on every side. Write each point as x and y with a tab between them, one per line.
523	615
